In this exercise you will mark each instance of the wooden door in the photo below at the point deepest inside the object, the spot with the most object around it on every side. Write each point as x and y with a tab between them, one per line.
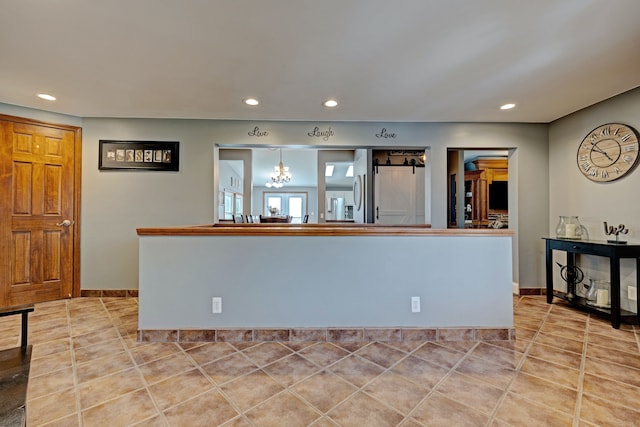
399	195
39	241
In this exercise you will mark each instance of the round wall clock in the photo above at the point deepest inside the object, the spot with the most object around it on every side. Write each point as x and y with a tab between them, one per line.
608	152
357	192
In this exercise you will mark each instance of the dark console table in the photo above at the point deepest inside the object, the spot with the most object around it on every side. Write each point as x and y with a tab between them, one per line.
613	251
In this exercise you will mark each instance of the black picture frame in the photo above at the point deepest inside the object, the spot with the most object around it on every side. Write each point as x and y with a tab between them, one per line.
139	155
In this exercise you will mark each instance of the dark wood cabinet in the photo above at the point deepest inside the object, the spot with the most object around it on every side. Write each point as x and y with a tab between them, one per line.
476	204
477	191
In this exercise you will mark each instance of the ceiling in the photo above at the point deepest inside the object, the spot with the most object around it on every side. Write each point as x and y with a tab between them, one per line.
406	60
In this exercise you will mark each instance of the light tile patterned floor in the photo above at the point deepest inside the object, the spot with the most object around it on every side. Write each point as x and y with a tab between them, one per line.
565	368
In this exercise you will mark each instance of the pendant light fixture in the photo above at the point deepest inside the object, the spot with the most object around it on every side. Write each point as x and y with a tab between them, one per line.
280	176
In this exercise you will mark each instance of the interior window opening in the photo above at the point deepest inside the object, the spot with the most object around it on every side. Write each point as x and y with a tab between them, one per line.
478	188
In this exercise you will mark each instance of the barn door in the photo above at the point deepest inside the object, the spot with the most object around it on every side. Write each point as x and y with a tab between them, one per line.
399	195
39	176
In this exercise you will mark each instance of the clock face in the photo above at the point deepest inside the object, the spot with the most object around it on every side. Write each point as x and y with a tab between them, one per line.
608	152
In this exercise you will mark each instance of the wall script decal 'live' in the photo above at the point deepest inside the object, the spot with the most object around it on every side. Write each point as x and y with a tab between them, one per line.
258	133
384	134
324	134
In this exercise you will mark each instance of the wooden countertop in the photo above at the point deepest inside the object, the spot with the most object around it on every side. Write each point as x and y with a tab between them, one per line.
316	230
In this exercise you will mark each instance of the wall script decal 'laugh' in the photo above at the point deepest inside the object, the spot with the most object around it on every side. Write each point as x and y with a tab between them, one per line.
324	134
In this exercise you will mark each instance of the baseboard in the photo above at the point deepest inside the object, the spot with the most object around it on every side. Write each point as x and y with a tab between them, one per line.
515	287
326	334
109	293
533	291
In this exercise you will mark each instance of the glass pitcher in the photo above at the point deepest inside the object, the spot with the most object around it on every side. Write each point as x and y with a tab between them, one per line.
569	227
598	293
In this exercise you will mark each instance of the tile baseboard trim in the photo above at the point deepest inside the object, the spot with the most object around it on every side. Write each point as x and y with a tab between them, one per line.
326	334
533	291
109	293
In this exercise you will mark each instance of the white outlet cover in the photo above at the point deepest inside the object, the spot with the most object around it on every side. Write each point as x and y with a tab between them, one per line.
632	292
415	304
216	305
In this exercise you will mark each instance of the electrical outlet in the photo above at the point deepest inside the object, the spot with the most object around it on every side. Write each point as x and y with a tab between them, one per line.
415	304
632	292
216	305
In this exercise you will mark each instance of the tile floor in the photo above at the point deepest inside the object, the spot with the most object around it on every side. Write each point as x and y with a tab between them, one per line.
565	368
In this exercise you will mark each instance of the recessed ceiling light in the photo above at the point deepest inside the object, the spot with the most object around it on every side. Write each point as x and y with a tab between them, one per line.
330	103
507	106
46	96
251	101
328	170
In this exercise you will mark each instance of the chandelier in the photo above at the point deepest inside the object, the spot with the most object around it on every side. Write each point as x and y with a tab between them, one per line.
281	176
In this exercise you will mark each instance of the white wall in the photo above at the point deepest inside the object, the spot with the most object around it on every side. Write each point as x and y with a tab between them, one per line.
528	166
571	193
245	156
325	281
114	203
231	181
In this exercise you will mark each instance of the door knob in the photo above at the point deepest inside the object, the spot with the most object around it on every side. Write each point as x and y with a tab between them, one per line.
64	223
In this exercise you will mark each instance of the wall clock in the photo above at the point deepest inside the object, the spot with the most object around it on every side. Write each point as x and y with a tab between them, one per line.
357	192
608	152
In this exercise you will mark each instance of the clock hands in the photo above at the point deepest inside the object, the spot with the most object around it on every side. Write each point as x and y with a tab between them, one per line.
599	150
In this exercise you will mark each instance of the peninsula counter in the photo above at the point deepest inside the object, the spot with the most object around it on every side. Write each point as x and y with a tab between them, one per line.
324	282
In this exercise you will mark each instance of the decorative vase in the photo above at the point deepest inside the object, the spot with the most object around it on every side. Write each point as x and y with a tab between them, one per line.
569	227
598	294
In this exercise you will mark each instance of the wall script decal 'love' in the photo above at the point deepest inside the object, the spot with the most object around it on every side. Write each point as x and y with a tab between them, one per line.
384	134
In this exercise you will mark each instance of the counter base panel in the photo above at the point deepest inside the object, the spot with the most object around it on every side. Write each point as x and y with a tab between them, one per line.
326	282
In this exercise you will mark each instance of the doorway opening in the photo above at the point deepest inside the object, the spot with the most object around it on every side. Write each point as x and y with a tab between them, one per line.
478	188
292	204
399	187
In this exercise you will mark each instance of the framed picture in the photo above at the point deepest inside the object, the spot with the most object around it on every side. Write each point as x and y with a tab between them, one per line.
139	155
